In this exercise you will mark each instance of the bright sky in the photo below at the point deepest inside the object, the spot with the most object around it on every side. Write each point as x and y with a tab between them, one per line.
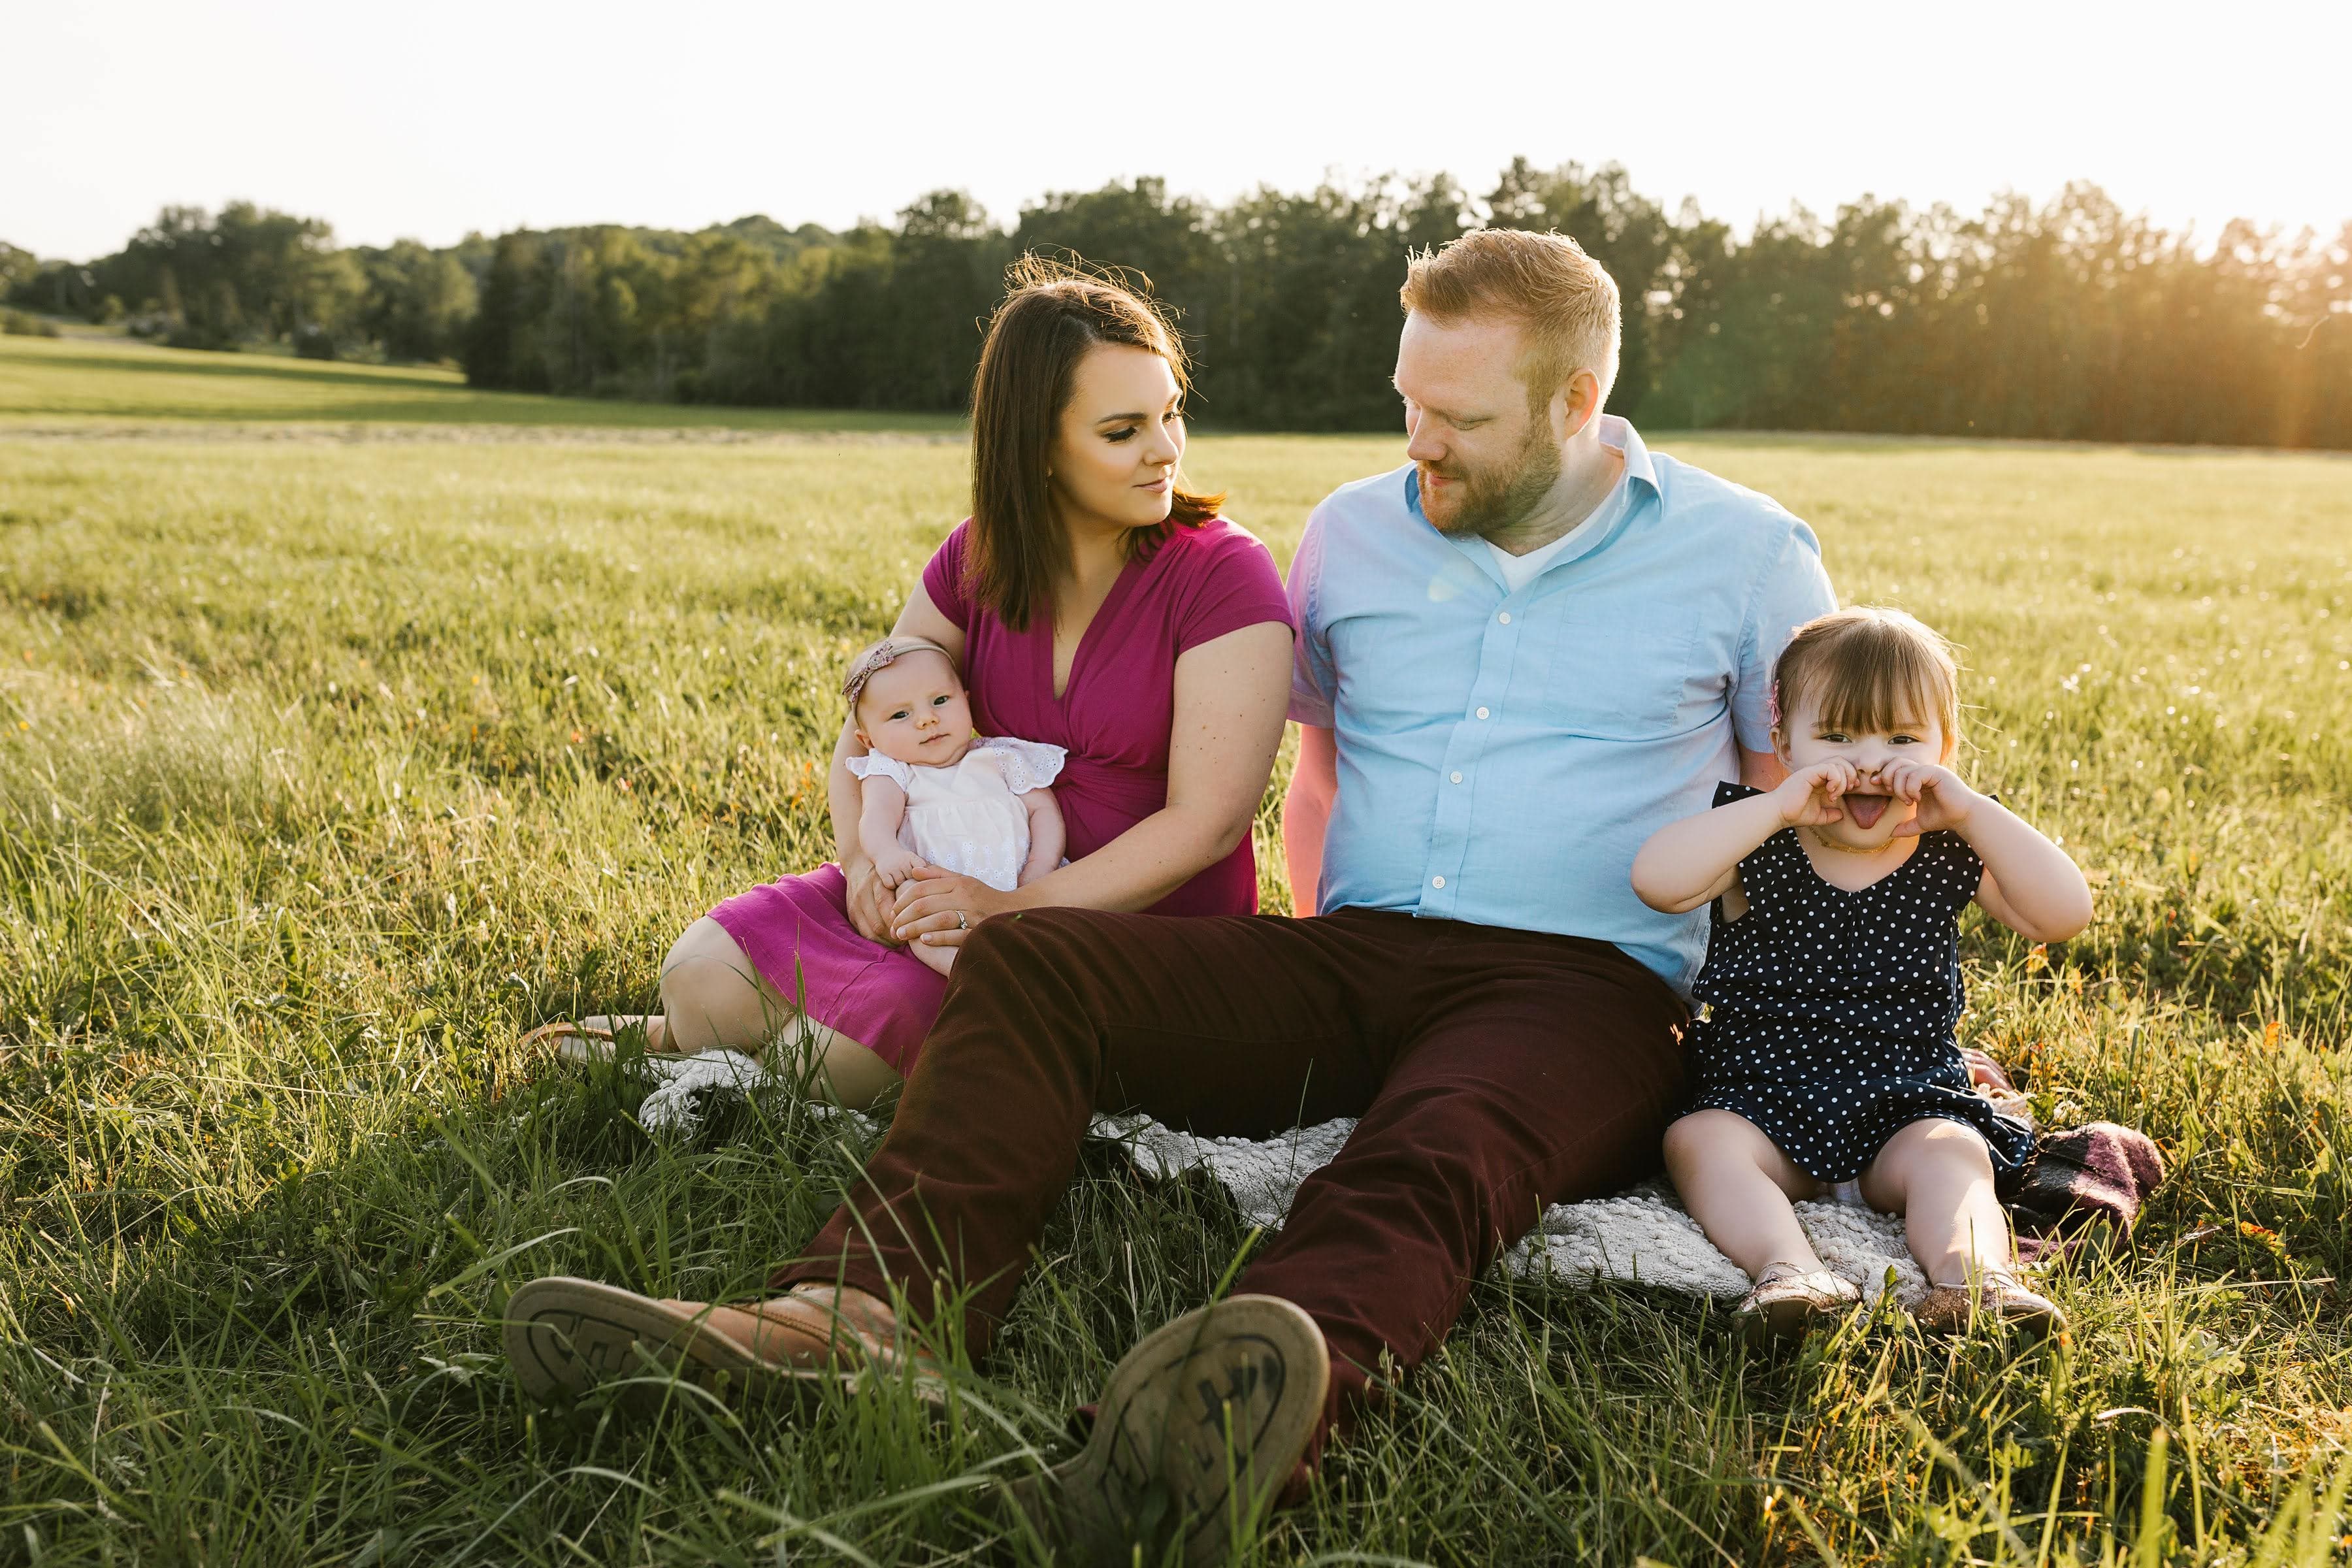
429	118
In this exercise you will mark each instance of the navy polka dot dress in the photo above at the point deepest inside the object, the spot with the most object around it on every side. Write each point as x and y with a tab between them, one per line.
1829	1013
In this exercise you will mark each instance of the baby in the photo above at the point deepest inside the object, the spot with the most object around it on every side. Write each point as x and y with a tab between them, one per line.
934	793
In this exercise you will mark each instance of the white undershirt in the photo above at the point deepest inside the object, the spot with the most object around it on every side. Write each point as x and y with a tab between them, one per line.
1518	571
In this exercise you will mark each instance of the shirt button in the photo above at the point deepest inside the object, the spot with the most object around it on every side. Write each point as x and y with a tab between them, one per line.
1437	882
1457	778
1505	617
1481	712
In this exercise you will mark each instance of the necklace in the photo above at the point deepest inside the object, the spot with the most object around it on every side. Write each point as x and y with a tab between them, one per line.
1813	836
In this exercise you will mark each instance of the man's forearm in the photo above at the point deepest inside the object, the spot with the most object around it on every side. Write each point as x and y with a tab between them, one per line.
1306	814
1761	770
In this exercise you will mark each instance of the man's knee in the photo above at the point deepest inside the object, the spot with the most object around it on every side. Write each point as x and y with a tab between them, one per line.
1016	940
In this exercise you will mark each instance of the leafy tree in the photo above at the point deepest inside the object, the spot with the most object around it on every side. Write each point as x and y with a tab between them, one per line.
416	302
19	268
2069	320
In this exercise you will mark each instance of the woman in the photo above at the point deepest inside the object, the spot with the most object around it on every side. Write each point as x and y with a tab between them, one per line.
1093	604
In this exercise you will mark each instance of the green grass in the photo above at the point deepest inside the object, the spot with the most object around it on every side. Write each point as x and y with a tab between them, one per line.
88	382
329	768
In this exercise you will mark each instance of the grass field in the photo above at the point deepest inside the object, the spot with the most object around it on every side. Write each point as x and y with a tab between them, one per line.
71	382
331	766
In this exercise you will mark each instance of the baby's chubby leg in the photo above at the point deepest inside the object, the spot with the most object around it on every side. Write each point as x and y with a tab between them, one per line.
1938	1174
1740	1186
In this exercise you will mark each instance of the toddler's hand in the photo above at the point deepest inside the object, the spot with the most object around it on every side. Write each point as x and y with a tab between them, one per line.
1943	801
894	863
1809	797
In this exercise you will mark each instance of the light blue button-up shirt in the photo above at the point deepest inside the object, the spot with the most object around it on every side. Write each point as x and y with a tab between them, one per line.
1502	755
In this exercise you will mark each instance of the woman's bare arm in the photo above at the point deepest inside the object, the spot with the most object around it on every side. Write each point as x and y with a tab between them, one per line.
1230	695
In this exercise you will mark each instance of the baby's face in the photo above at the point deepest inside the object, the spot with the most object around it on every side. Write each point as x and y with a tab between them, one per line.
914	710
1872	814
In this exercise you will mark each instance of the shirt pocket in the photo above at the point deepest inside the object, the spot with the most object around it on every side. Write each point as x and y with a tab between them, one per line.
1627	673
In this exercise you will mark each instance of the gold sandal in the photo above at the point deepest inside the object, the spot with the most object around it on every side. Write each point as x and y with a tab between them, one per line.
1788	1300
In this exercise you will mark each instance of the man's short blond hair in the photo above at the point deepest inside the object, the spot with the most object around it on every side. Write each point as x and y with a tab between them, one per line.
1545	283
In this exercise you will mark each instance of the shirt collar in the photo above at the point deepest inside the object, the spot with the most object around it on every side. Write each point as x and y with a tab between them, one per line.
1618	432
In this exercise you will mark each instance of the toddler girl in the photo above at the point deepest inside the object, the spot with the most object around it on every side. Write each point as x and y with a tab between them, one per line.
935	794
1827	1065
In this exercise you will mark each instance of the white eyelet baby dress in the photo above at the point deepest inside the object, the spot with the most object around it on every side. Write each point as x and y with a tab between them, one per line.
969	818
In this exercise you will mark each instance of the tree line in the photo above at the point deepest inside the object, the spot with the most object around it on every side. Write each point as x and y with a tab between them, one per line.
2071	318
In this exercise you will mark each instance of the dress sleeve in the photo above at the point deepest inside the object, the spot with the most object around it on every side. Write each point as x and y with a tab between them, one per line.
1793	589
1313	683
943	576
1028	765
1757	867
1236	586
1962	871
890	768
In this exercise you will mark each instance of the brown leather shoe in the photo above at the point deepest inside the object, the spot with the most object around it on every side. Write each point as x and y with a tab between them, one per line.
811	1326
1200	1427
565	1336
1953	1308
1788	1300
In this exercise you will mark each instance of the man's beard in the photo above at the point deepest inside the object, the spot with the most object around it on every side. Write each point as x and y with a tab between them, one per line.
1489	501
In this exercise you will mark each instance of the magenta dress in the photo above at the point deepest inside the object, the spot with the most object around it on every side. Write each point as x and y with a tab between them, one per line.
1114	721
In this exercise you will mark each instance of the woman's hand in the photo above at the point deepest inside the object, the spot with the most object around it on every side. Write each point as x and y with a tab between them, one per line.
868	901
1810	797
942	909
1942	799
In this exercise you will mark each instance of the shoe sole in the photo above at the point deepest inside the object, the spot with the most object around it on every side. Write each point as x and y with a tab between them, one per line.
2035	1320
566	1336
2039	1318
1200	1426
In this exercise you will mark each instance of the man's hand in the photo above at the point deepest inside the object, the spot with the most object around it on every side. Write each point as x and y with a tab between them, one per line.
1943	801
1810	797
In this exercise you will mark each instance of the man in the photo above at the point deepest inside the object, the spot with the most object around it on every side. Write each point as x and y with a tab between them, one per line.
1518	656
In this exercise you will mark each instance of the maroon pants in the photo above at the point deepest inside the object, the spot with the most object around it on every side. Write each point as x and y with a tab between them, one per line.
1496	1071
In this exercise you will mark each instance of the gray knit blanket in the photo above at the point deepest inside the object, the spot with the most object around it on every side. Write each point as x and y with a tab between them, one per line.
1640	1236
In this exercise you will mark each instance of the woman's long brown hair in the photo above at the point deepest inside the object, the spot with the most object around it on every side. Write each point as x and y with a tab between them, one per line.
1053	316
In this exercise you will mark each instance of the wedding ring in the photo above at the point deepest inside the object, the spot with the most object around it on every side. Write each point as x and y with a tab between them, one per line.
962	923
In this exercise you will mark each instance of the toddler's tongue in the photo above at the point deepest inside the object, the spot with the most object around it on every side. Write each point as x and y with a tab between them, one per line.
1864	810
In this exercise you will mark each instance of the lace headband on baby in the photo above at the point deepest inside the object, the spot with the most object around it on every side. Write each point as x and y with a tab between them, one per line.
881	657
